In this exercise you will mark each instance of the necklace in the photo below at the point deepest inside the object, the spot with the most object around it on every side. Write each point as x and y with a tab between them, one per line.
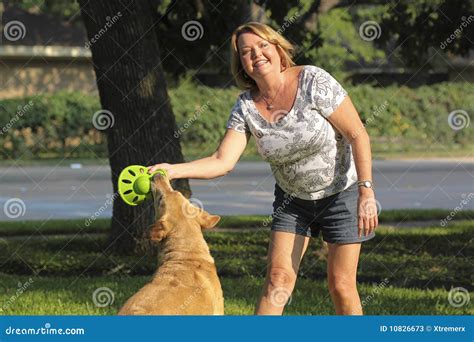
270	103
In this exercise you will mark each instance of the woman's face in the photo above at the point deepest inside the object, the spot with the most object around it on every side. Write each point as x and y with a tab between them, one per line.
258	56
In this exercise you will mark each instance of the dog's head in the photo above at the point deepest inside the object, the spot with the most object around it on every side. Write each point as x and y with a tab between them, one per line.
174	214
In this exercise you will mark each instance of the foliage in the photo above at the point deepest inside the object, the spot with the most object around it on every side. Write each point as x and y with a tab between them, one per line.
410	30
203	28
50	124
415	28
63	10
397	119
342	45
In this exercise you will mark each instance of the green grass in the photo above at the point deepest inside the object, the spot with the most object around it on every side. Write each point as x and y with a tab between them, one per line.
38	227
72	296
419	265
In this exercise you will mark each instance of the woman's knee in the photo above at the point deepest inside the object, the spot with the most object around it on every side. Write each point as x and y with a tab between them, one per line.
281	277
279	285
342	286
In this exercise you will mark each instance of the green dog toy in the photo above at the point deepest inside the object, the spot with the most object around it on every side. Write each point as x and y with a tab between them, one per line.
134	184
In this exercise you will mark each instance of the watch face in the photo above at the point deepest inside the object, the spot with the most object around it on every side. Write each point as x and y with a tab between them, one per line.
367	184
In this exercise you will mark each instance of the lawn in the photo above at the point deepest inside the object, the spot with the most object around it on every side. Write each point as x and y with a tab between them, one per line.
402	271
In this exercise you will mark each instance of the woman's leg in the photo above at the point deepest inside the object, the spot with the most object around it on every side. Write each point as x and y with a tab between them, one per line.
284	256
342	275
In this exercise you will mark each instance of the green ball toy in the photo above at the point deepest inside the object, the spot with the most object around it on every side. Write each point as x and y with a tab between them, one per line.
134	184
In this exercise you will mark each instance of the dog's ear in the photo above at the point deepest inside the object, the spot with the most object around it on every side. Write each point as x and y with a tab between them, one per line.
158	230
207	220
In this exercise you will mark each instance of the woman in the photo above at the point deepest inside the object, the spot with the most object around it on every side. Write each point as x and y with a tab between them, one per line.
307	128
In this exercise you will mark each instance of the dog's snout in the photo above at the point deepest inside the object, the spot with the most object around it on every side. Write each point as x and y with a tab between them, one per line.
161	183
156	178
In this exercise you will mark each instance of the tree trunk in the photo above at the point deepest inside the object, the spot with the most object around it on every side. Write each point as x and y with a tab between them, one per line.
141	125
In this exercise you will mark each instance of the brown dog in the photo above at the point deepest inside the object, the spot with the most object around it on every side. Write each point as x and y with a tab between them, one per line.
186	281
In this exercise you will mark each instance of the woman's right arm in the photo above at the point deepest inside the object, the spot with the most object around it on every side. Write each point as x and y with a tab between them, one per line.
218	164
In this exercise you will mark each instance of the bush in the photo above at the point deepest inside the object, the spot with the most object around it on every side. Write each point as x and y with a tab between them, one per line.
50	125
414	118
397	119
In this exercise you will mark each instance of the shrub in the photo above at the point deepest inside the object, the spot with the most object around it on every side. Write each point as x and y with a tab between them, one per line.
396	118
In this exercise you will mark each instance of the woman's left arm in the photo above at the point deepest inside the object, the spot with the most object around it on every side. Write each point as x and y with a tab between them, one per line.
347	121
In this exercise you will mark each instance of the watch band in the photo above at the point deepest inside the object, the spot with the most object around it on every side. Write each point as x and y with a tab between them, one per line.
366	183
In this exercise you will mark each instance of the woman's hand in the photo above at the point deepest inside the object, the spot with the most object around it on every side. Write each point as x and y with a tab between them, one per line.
169	168
367	211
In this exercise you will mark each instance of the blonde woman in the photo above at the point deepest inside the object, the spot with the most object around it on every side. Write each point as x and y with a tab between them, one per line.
308	130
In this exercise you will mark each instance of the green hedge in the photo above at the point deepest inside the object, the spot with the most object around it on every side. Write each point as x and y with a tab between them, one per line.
397	119
50	125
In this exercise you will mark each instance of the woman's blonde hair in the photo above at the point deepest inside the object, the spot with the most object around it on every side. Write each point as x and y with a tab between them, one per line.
284	47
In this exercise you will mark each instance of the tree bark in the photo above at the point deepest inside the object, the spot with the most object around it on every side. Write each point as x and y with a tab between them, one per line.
132	87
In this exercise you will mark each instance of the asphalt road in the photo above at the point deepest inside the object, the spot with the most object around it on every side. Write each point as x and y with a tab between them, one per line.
78	192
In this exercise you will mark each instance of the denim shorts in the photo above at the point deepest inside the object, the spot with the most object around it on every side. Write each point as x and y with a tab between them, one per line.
335	216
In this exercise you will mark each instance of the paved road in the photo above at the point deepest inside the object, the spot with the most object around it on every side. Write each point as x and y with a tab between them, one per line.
68	192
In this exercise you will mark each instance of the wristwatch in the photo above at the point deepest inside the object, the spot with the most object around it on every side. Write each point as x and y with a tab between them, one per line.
366	183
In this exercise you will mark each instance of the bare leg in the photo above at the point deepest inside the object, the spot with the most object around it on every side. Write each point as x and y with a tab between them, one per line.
342	278
284	256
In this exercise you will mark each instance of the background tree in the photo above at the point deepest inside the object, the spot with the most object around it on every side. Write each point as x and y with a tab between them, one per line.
132	87
416	28
327	31
208	40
